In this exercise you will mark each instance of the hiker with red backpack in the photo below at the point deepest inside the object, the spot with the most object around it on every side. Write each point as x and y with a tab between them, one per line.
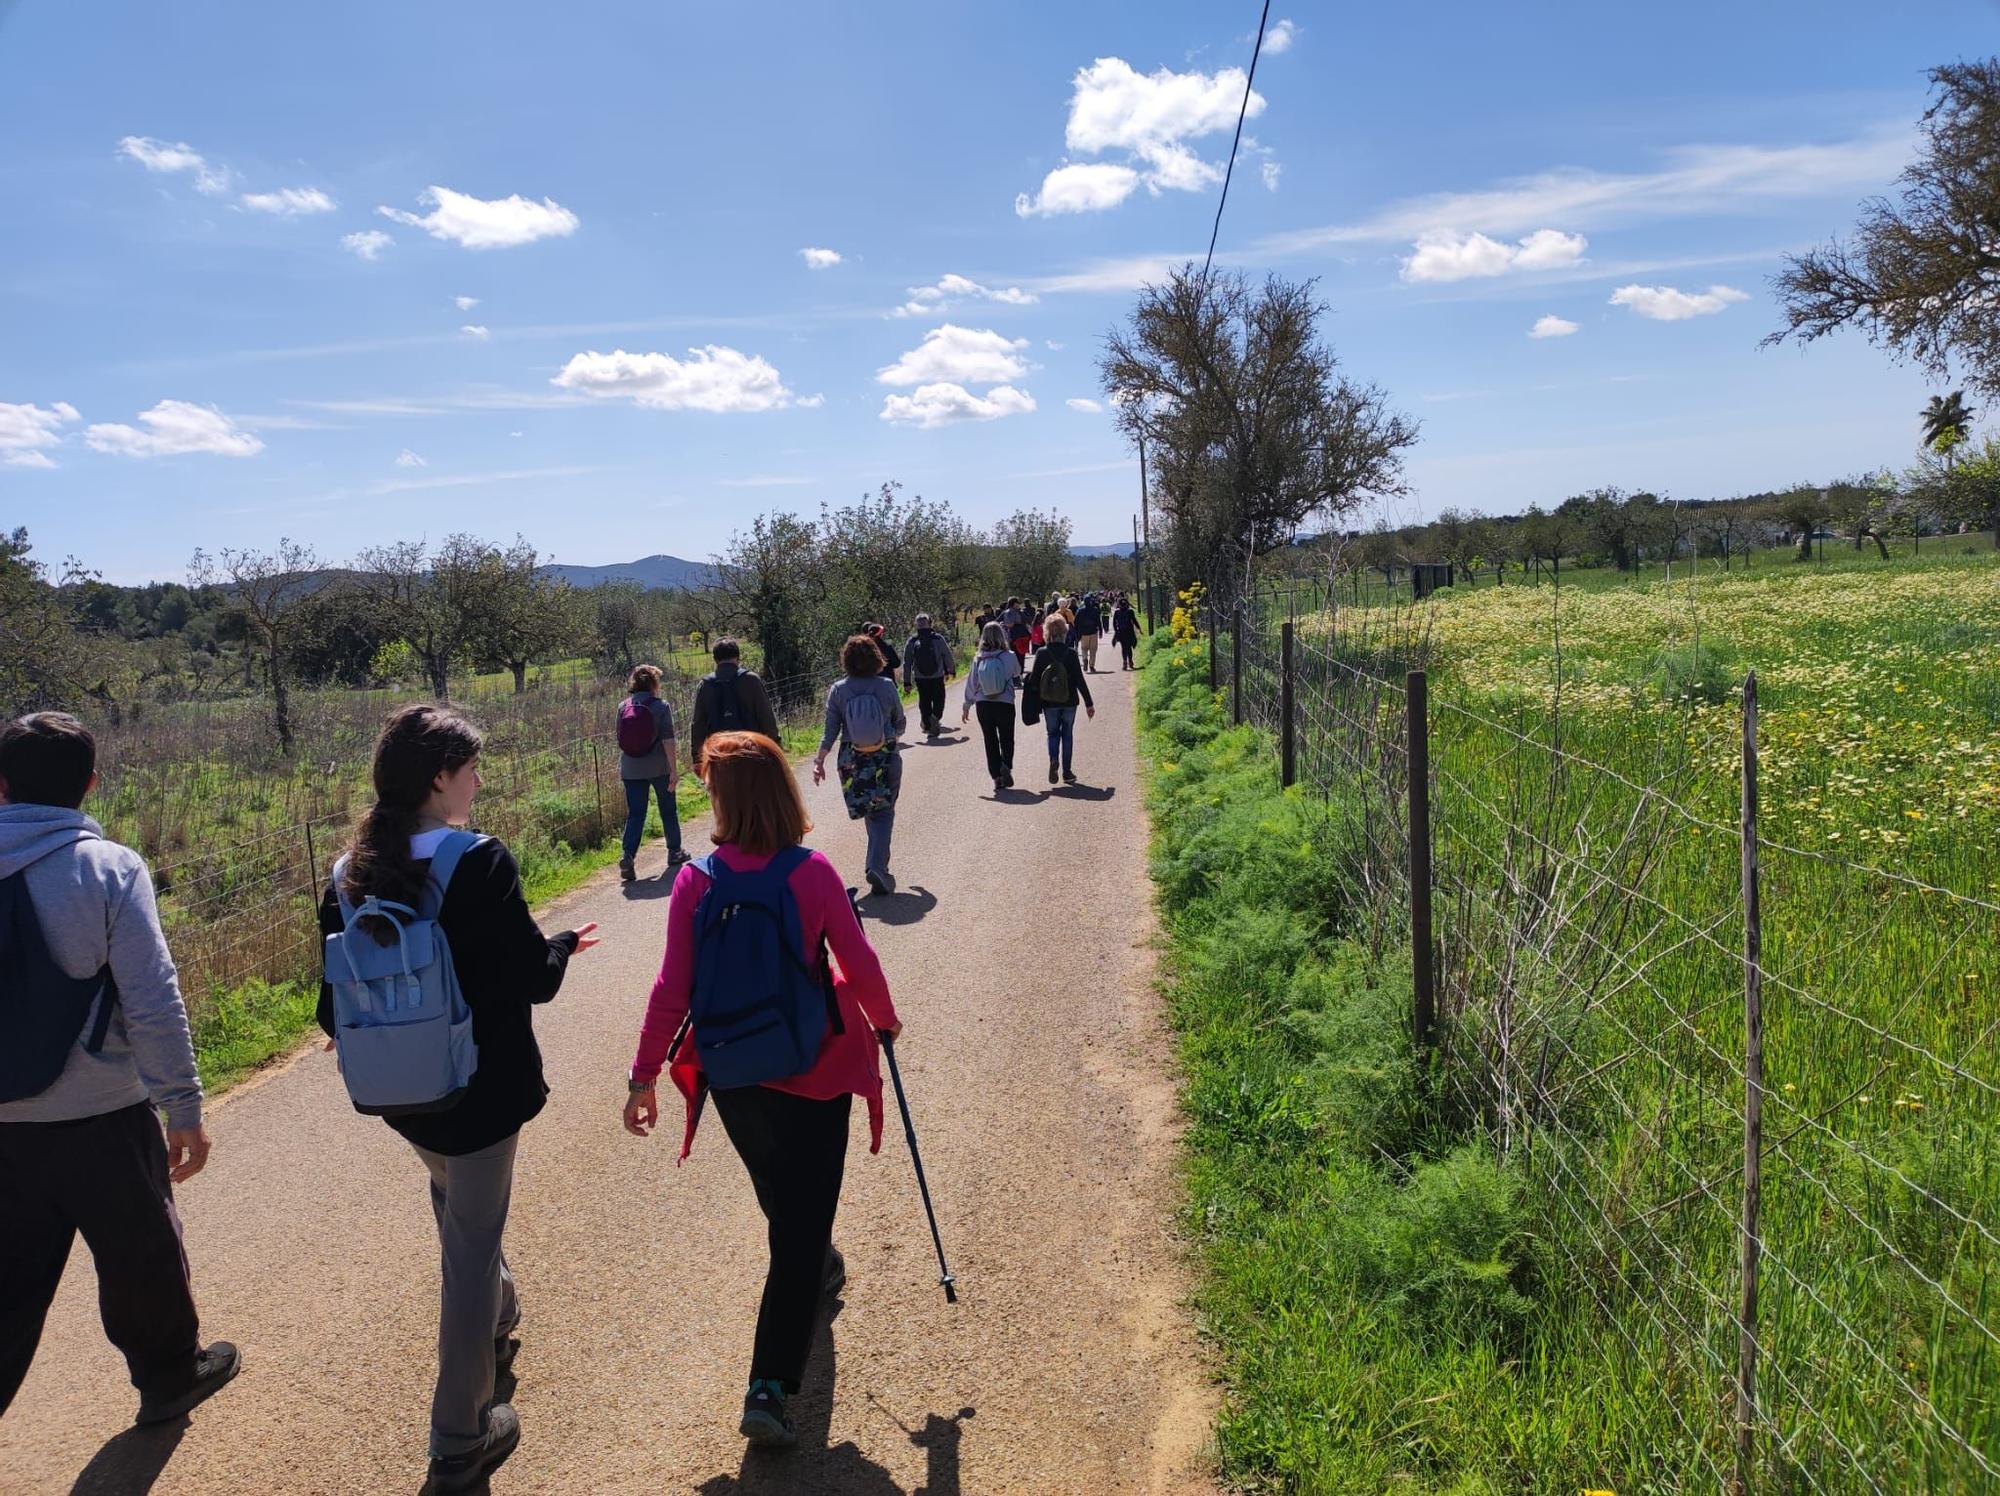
1056	683
433	968
649	767
94	1056
989	690
928	665
769	998
864	714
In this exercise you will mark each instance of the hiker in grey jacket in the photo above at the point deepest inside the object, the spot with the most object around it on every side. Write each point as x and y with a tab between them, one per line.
989	688
927	665
80	1143
864	714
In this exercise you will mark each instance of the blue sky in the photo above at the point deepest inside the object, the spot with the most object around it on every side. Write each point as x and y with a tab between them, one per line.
211	332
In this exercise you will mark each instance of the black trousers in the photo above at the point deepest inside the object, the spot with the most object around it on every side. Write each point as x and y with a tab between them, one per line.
106	1177
796	1152
1125	649
930	701
996	725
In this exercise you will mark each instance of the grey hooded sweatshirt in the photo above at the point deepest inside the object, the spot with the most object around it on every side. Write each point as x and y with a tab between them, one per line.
94	902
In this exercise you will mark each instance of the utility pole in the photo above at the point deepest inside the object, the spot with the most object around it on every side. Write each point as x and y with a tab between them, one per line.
1146	531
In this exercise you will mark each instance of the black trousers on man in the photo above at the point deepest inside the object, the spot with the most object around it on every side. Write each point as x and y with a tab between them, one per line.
106	1177
796	1151
930	703
996	725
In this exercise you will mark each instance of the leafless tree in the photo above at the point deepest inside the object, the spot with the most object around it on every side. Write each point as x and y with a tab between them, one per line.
269	590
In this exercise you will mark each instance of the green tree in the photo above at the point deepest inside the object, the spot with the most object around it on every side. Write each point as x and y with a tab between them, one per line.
48	657
1947	423
1030	552
437	599
775	577
524	614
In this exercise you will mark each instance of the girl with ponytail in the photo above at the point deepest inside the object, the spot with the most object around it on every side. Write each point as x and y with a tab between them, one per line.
426	773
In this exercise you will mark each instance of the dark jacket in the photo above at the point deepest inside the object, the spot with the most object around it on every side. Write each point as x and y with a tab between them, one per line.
753	707
1089	620
892	662
1059	657
1124	625
505	966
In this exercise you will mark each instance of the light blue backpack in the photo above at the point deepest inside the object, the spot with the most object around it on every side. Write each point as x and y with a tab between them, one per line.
400	1023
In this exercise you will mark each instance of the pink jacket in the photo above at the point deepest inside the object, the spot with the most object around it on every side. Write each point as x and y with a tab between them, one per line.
849	1063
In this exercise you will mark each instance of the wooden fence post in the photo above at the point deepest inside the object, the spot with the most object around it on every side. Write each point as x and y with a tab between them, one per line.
1423	1005
1753	1100
1214	677
1289	757
312	862
1236	668
597	788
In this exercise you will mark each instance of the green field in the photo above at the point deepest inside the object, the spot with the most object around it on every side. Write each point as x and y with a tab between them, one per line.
1515	1266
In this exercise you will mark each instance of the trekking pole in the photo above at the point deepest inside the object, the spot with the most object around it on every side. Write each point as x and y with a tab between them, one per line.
945	1279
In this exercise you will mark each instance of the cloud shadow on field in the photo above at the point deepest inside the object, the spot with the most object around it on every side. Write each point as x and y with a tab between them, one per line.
842	1469
131	1462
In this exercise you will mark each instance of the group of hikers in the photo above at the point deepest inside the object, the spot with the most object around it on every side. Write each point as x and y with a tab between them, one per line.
770	999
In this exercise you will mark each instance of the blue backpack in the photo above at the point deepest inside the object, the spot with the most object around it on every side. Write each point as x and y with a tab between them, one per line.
400	1023
760	1010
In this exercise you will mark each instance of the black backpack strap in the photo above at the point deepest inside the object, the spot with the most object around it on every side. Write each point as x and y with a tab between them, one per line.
107	999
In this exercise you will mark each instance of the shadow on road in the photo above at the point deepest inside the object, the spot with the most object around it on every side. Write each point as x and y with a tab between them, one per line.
942	740
131	1462
842	1469
903	907
641	889
1082	792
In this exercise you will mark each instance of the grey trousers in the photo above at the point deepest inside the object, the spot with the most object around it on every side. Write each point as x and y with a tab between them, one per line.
470	1193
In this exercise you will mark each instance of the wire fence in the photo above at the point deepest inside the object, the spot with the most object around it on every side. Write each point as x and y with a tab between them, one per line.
1749	1089
241	842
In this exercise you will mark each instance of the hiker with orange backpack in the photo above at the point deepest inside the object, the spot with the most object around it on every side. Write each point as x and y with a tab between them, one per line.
770	998
649	767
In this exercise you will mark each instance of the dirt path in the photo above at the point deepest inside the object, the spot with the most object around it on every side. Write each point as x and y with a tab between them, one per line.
1046	1118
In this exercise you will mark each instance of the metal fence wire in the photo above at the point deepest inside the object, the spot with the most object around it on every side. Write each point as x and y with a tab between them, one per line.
1752	1090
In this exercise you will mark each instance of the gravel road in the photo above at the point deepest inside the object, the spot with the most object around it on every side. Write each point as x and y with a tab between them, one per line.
1045	1111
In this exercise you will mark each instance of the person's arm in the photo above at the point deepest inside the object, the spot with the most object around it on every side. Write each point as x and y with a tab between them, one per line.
667	742
673	988
698	720
821	888
149	996
330	923
909	665
534	963
1075	668
830	734
950	661
898	718
757	706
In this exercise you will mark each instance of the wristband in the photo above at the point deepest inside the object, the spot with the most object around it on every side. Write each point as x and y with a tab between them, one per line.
640	1087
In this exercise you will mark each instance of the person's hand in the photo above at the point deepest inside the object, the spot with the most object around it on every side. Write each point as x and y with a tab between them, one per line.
586	937
187	1151
819	769
965	714
893	1032
1090	711
642	1112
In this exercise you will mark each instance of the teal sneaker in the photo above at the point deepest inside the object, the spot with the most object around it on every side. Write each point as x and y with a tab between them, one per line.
765	1421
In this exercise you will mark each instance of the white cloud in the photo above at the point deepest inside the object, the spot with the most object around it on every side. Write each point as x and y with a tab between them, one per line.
477	223
368	244
810	402
407	458
958	355
1087	187
289	202
1088	407
1053	346
1271	171
1451	257
1666	304
819	259
1552	326
174	157
1150	117
25	430
174	427
1280	38
947	404
465	303
474	331
952	289
711	378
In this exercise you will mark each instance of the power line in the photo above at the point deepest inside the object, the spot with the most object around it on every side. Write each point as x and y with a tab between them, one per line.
1243	110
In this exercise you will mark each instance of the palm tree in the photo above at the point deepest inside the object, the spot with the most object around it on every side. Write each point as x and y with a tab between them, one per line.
1947	422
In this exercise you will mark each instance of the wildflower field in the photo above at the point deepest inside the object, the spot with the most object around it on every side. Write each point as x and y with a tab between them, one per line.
1514	1262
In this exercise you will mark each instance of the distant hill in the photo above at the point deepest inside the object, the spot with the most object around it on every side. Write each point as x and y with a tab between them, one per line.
648	571
1122	548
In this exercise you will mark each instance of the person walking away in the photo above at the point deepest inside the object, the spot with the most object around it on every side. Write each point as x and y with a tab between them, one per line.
989	691
783	1088
928	664
649	767
1124	631
94	1051
891	661
1036	638
1020	635
729	699
864	712
1089	622
1015	612
1058	682
409	855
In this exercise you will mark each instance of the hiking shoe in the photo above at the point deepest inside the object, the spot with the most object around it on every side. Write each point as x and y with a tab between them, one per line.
1009	778
626	872
678	856
465	1472
1069	776
1052	773
213	1369
876	884
836	1273
999	783
765	1420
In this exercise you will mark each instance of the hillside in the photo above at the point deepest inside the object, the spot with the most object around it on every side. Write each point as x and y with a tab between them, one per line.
647	571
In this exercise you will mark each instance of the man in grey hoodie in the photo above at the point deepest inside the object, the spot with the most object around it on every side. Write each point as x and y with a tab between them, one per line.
83	1152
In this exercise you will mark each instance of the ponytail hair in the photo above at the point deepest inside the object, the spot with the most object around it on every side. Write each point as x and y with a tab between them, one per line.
417	744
